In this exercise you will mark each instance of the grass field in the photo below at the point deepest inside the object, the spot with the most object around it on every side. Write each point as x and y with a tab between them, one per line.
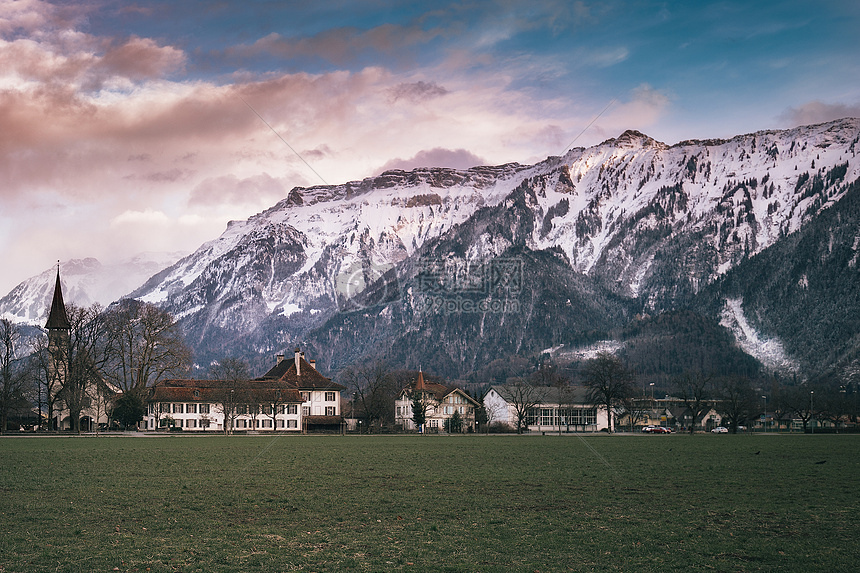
409	503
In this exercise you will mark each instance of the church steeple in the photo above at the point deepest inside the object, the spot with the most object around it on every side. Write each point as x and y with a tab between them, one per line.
57	317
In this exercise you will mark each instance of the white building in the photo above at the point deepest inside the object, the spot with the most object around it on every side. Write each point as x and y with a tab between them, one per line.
292	397
544	408
442	403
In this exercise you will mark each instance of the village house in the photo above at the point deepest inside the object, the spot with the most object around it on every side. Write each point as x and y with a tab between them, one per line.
291	397
546	408
442	404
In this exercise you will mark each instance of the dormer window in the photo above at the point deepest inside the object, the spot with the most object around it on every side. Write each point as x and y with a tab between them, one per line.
196	393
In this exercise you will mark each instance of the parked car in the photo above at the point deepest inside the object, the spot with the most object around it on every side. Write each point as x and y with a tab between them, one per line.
656	430
720	430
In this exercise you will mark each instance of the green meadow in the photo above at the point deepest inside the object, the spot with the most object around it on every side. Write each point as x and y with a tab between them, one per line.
434	503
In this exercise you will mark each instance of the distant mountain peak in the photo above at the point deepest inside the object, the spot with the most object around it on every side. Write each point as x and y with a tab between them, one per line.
633	139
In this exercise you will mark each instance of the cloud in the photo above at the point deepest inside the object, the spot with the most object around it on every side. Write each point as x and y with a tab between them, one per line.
229	189
140	59
339	45
438	157
416	92
148	217
817	112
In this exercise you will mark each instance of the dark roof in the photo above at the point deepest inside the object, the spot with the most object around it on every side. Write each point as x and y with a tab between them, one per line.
577	395
308	379
254	391
437	391
57	317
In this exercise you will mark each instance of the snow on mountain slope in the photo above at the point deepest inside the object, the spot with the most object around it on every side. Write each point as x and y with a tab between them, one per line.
768	351
85	281
643	218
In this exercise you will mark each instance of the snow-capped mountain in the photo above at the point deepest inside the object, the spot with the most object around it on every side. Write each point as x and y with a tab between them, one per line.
85	281
632	222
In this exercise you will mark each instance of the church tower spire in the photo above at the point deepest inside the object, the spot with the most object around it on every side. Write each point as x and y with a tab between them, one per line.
57	317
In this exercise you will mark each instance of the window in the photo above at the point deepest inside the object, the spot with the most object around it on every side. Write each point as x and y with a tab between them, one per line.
177	408
267	423
241	409
190	408
165	408
330	411
241	423
280	423
306	411
292	409
281	409
190	423
196	393
292	424
329	397
204	408
306	396
204	423
267	410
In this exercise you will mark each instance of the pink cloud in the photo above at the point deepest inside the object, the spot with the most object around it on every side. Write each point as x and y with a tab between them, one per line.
141	58
438	157
818	112
231	189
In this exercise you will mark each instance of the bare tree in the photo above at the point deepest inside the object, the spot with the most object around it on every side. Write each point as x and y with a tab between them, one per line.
85	359
608	383
694	389
374	390
799	400
12	374
549	374
49	367
523	395
143	346
634	409
233	375
737	400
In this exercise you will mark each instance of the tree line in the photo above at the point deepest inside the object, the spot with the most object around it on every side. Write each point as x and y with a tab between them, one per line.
105	362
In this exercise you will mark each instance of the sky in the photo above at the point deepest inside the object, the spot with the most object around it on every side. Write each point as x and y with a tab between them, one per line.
128	127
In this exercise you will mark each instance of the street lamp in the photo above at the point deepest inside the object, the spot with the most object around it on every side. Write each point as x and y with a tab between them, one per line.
764	414
811	413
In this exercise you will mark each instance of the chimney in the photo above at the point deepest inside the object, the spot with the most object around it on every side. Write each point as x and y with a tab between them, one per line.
298	356
313	364
280	358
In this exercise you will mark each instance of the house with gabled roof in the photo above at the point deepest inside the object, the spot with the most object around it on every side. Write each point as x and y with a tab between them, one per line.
321	397
442	403
293	397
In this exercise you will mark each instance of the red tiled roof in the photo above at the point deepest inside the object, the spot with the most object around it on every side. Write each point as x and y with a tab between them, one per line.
254	391
308	379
